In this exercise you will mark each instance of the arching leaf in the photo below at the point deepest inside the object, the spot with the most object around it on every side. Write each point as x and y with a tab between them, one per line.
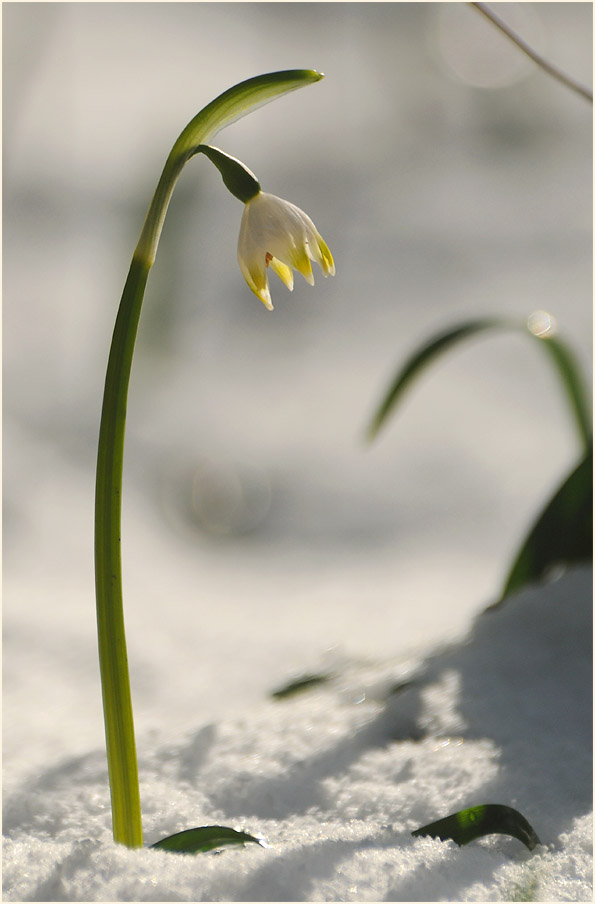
561	356
475	822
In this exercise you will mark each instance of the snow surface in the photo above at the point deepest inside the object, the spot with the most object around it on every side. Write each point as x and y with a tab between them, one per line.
335	779
261	537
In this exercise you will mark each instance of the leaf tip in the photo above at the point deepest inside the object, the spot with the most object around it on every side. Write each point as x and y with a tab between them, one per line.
374	427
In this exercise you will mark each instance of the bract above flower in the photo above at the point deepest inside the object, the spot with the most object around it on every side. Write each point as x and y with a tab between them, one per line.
277	234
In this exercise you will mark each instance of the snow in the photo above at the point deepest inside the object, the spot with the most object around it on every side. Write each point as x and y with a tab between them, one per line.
335	779
261	538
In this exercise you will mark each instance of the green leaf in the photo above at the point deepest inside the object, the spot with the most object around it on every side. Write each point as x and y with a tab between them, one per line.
559	353
240	100
563	533
203	838
475	822
422	358
573	382
299	685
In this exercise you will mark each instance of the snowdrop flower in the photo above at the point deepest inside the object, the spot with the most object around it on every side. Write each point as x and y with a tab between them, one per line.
277	234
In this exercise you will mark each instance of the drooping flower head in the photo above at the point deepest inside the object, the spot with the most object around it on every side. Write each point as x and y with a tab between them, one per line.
277	234
273	232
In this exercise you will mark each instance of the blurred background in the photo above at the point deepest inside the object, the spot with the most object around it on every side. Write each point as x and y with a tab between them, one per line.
261	535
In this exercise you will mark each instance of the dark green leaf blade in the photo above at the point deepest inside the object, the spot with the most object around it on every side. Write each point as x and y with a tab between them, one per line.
423	357
203	838
299	685
475	822
573	382
563	533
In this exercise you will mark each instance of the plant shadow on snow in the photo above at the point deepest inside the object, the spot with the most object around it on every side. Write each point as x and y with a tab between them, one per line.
522	681
23	808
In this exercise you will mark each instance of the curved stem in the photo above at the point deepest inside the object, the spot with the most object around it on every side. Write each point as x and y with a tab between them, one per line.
221	112
113	661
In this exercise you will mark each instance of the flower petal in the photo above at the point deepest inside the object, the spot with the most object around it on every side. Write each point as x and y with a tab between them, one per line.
278	234
257	280
327	263
252	261
283	272
301	262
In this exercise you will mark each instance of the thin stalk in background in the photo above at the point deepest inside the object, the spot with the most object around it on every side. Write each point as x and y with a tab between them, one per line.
544	64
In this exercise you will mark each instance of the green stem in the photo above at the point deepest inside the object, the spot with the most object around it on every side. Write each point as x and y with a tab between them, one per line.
113	660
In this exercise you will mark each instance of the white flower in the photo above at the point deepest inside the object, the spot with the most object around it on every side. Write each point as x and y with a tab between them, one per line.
277	234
